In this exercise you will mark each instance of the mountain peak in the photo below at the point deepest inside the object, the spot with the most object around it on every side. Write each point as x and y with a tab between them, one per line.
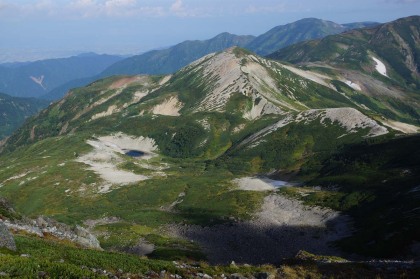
263	83
291	33
224	34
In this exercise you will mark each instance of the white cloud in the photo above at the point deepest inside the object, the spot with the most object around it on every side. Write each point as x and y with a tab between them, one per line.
80	9
179	9
119	7
252	9
177	6
76	9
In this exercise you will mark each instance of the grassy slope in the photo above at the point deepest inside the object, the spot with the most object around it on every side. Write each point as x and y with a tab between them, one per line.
15	110
202	162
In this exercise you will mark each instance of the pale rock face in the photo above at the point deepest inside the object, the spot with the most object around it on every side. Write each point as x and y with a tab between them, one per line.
402	127
104	158
6	238
232	74
259	184
169	107
225	68
261	108
348	118
43	225
315	77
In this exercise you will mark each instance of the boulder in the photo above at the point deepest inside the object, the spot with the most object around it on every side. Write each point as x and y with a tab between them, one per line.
6	238
85	238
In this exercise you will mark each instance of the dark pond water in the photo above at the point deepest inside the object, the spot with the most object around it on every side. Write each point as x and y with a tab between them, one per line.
134	153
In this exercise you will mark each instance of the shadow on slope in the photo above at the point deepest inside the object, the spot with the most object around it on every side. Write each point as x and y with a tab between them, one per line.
254	244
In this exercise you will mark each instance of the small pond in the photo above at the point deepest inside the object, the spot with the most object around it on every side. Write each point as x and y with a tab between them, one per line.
277	183
134	153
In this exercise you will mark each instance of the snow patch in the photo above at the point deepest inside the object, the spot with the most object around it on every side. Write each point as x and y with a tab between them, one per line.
39	81
353	85
380	66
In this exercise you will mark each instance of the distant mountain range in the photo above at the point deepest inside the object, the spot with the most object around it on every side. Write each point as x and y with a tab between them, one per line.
35	79
174	58
301	30
51	79
169	60
14	111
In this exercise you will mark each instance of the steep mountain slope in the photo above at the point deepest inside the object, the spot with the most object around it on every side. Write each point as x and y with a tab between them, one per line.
390	51
172	59
38	78
301	30
14	111
147	160
380	62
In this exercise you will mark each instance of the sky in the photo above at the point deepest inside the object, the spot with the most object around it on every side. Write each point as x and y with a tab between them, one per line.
39	29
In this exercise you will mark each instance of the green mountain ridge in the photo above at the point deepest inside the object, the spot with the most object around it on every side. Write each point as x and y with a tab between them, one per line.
387	53
396	43
14	111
